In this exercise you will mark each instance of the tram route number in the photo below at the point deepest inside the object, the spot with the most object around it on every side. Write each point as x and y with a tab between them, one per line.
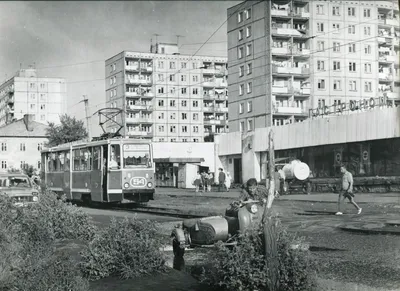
138	182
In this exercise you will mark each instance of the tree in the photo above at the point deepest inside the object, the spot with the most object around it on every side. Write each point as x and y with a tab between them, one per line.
70	129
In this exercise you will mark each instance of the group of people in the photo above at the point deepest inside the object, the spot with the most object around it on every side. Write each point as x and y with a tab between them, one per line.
204	180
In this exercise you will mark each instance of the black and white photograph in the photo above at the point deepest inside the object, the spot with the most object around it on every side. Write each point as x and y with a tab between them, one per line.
188	145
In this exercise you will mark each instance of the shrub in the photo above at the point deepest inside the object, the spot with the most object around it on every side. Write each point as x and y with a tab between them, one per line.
243	267
126	248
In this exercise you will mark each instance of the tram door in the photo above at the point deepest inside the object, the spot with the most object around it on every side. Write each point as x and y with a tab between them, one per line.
96	175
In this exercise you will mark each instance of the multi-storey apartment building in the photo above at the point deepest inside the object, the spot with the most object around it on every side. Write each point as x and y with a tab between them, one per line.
286	57
25	93
167	96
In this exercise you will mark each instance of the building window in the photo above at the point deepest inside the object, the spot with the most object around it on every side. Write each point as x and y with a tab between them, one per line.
42	117
195	78
320	27
321	103
160	64
161	90
337	102
336	28
240	34
42	106
195	91
248	13
249	87
183	103
184	140
352	29
321	65
337	85
22	147
184	128
42	97
161	115
352	86
241	89
248	31
4	164
33	106
195	116
241	71
336	65
183	78
183	90
161	103
42	85
249	106
3	146
321	84
161	128
367	68
240	17
248	49
249	125
33	96
336	10
195	128
195	140
183	65
367	49
249	69
184	116
172	78
172	65
367	12
40	146
368	86
241	108
194	65
336	46
352	48
240	52
352	67
320	9
172	128
32	85
195	103
172	103
241	126
351	11
320	45
367	30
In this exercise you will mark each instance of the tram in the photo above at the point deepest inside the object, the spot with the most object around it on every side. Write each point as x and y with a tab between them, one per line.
108	171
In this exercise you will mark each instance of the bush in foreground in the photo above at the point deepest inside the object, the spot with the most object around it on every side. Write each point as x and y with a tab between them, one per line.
29	260
126	248
244	268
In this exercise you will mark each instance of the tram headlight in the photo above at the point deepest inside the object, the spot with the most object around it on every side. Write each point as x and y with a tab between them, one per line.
254	208
126	185
149	184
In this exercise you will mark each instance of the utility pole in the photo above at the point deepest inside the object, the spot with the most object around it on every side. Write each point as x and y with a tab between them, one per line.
86	101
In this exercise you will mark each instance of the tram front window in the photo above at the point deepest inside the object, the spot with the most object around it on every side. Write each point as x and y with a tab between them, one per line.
136	155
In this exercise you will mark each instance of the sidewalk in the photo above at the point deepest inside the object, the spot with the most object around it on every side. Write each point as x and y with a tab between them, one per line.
384	198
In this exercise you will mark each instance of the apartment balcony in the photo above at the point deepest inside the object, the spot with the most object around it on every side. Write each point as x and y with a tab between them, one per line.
143	107
221	109
385	77
148	69
140	133
208	109
11	100
301	72
286	32
10	91
301	52
209	71
385	40
221	84
396	41
278	90
281	71
132	68
304	92
148	95
392	21
138	120
209	121
280	51
279	13
139	81
390	95
388	58
288	110
300	14
209	84
208	97
220	98
10	110
132	94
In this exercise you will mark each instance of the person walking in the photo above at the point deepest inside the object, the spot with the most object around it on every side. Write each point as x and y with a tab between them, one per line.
221	179
347	190
197	181
210	180
228	181
204	180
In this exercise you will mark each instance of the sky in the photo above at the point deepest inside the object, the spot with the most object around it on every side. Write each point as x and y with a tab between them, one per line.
72	39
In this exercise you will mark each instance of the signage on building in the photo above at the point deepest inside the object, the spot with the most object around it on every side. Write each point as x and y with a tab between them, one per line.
353	105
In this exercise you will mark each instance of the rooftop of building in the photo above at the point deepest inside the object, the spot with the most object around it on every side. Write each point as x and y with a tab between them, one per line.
24	127
30	72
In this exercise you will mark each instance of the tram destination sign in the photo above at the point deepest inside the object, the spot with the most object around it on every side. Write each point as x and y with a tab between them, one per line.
353	105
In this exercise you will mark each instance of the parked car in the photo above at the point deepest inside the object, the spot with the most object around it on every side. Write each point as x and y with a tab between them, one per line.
19	188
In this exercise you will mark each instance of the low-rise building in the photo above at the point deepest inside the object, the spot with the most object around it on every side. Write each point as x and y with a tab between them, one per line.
21	143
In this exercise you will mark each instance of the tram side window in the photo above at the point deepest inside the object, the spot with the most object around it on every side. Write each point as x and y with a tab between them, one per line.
115	157
67	161
96	158
61	158
85	160
136	155
50	162
77	159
